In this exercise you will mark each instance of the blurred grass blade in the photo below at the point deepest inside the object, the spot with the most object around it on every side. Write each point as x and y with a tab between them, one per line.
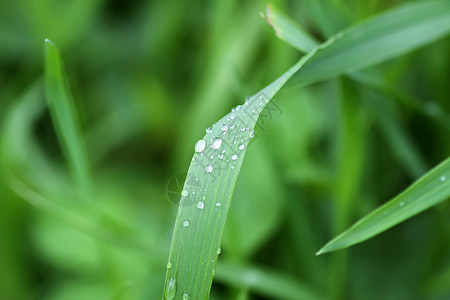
373	41
65	119
265	282
378	39
429	190
288	30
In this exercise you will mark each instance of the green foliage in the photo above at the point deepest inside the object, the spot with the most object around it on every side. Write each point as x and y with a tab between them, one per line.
95	169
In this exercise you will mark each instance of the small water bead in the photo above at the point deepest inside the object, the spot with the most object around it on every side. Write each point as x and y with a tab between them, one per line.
201	205
443	178
232	126
212	156
185	296
186	223
231	116
184	193
208	130
401	203
219	250
200	146
238	107
196	178
209	169
224	127
243	129
169	265
232	167
218	204
234	157
220	156
252	134
171	289
241	147
216	142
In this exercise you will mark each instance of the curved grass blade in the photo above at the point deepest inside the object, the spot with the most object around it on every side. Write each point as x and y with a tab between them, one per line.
378	39
65	119
288	30
212	175
429	190
368	43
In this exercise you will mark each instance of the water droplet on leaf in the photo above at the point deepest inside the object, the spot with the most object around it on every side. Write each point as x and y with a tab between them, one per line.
216	143
201	205
171	289
200	146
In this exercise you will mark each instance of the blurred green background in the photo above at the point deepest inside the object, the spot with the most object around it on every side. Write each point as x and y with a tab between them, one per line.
148	77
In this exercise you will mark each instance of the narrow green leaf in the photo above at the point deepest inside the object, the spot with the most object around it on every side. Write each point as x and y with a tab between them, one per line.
65	119
288	30
370	42
378	39
206	196
429	190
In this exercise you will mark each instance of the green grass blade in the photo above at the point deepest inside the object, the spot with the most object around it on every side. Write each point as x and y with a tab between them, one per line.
65	119
368	43
288	30
378	39
206	197
429	190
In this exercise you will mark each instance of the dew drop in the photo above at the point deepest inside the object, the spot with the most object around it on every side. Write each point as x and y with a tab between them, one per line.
220	156
234	157
242	128
443	178
186	296
238	107
218	204
219	250
208	130
213	272
252	134
171	289
184	193
209	169
224	127
201	205
200	146
186	223
169	265
231	116
401	203
241	146
216	143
